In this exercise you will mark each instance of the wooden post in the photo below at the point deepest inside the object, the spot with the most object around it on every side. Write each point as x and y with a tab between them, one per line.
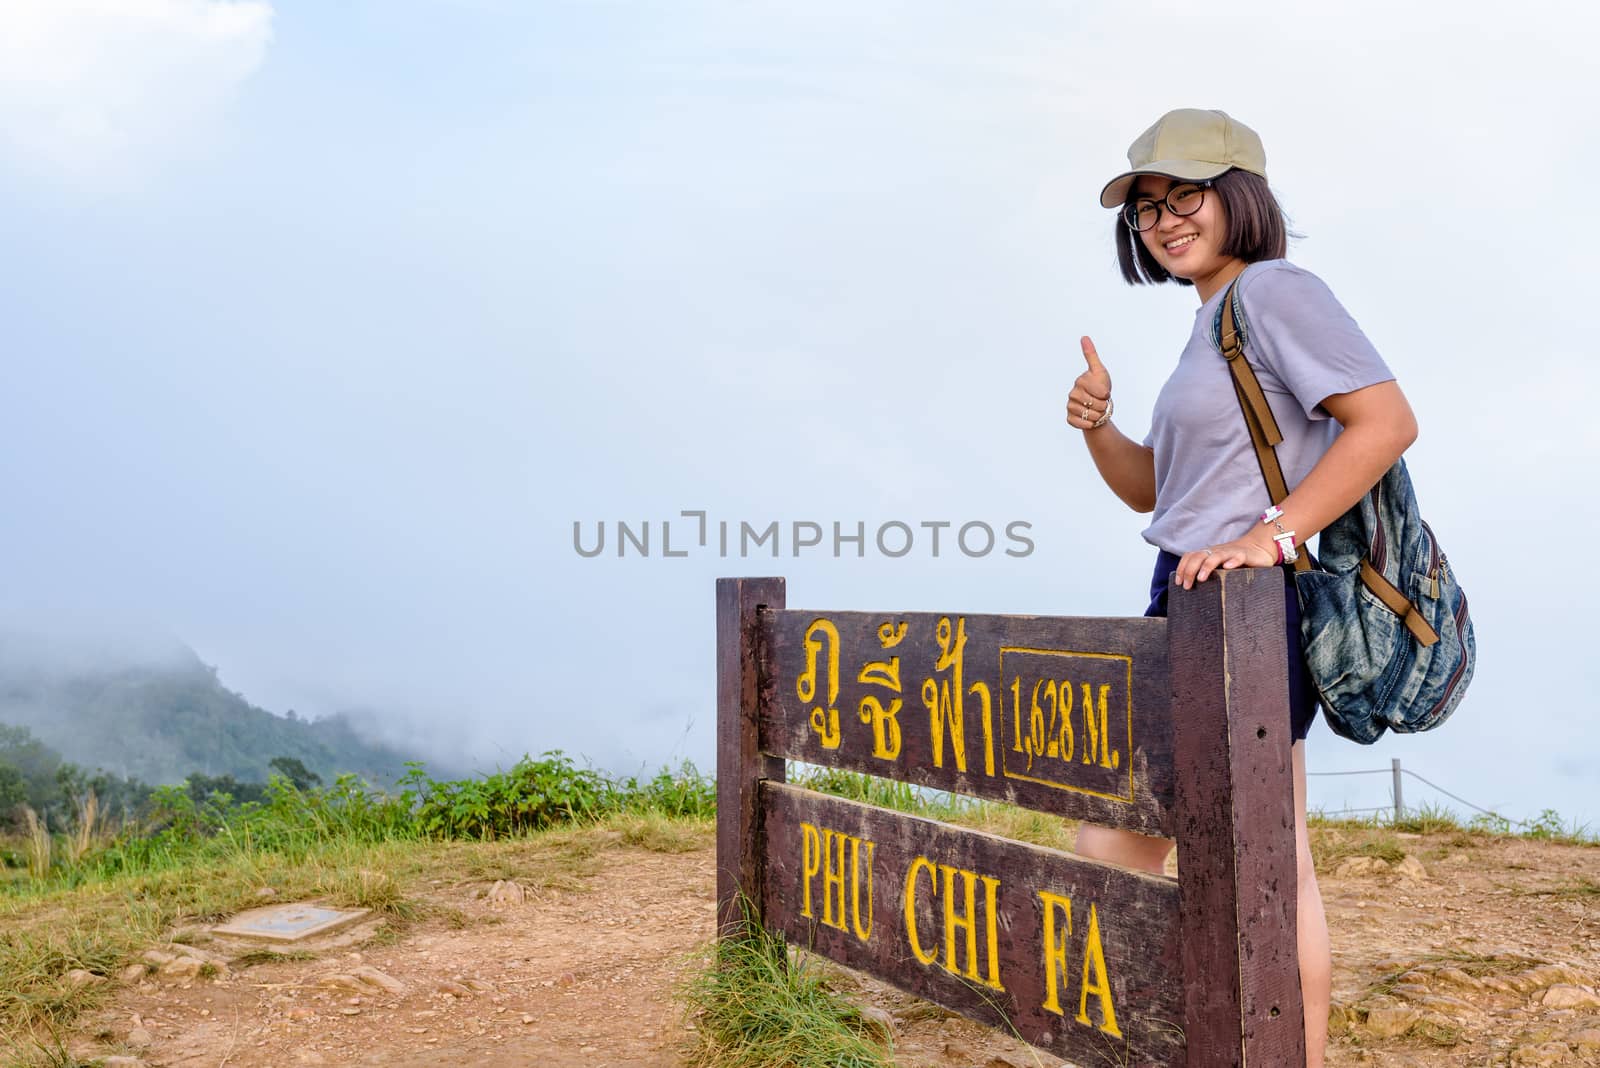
1235	822
741	765
1399	801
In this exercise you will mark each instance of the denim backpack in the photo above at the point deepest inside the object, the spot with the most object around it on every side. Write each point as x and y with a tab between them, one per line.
1383	622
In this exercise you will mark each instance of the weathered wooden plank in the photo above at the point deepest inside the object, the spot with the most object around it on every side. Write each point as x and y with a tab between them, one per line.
1235	821
741	766
1078	958
1063	715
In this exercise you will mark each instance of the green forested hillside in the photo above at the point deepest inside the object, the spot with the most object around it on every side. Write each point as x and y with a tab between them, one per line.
167	717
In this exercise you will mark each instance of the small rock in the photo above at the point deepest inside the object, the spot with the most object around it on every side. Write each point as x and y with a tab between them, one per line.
182	968
1004	1059
1411	868
1444	1003
341	981
506	892
566	979
350	1010
1359	867
158	957
79	978
454	989
1390	1022
526	1019
133	973
140	1037
366	973
266	892
1457	977
1587	1040
1569	996
1546	975
1539	1056
960	1052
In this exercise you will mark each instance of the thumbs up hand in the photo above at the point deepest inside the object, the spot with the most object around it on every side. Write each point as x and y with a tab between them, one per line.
1089	403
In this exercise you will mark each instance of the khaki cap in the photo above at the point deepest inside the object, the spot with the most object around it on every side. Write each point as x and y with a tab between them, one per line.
1191	145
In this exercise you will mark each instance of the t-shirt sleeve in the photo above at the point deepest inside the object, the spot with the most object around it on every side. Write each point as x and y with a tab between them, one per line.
1301	333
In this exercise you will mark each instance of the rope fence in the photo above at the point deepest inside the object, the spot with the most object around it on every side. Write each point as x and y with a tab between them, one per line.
1395	771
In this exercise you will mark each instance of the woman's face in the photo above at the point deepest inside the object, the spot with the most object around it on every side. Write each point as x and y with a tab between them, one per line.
1187	246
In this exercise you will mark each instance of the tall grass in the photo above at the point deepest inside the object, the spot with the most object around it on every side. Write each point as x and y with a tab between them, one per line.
39	845
84	836
753	1005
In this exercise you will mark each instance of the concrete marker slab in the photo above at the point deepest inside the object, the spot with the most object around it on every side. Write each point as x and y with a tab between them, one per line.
290	923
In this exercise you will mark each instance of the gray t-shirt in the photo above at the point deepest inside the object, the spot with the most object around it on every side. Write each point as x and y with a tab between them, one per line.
1304	347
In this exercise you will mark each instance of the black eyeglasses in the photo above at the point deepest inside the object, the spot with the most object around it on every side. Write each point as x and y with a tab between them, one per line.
1145	212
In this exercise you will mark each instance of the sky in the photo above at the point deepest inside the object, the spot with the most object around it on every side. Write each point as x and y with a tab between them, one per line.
323	325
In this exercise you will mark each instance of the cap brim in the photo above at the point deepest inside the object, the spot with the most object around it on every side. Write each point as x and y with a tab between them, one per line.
1116	191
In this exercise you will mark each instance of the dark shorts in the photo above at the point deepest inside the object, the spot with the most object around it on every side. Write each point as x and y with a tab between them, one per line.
1302	693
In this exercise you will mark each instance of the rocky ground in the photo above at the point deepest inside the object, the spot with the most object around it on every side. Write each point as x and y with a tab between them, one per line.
1450	950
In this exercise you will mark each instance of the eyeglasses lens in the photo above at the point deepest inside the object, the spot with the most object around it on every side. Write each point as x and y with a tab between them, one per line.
1181	200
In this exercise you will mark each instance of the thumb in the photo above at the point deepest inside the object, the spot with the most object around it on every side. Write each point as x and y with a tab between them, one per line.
1093	357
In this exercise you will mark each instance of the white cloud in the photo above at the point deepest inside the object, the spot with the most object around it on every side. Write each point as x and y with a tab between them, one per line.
101	87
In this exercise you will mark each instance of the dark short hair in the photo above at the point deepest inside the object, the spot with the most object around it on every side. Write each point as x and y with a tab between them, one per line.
1257	229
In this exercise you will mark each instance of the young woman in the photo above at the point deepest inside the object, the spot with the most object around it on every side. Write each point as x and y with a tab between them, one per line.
1195	209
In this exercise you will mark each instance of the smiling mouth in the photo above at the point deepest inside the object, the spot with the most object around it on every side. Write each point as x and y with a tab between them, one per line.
1183	242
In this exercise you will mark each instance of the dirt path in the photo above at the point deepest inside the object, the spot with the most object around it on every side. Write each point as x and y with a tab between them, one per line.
1473	952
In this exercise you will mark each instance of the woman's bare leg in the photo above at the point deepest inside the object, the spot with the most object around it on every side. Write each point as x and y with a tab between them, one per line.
1128	848
1142	852
1316	955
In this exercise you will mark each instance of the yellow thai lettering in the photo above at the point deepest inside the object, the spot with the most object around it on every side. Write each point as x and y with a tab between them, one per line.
919	864
824	716
943	697
981	689
1096	981
885	726
1055	948
884	719
881	673
810	864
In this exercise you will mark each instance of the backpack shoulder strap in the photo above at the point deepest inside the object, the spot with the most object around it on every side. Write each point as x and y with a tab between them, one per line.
1230	331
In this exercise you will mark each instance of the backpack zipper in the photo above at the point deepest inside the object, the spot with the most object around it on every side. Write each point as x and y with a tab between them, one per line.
1435	559
1461	665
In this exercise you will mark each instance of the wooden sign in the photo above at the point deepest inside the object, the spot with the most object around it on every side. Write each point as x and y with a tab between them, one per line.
1171	727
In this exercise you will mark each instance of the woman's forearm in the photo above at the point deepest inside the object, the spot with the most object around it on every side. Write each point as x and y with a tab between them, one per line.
1126	466
1378	429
